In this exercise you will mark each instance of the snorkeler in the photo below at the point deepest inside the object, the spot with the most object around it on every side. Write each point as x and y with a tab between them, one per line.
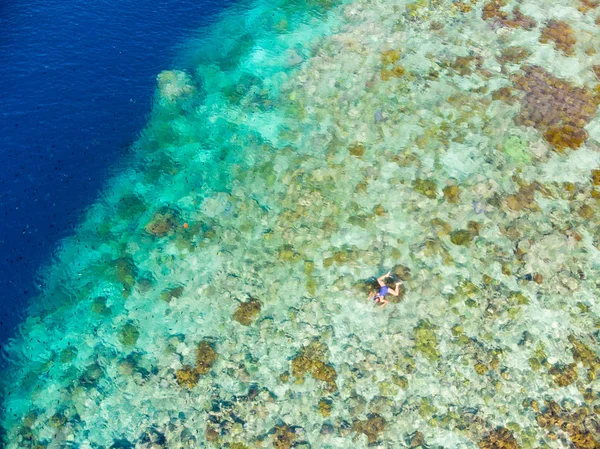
379	297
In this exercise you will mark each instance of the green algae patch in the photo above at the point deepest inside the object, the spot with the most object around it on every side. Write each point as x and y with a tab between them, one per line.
461	237
172	293
67	355
131	207
425	187
516	149
99	306
426	341
247	312
125	271
129	334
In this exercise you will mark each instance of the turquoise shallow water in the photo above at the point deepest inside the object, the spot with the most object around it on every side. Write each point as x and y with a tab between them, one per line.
217	295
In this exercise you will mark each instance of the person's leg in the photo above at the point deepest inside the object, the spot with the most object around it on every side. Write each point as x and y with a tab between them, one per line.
381	279
396	290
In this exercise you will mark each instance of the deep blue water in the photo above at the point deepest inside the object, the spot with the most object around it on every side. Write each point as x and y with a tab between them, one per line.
76	85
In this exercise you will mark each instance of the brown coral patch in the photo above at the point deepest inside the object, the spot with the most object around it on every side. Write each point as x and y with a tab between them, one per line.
504	94
564	375
187	376
357	149
206	356
371	427
582	353
247	312
451	193
465	65
513	55
493	11
284	438
390	56
580	424
561	34
587	5
162	222
312	360
555	107
500	438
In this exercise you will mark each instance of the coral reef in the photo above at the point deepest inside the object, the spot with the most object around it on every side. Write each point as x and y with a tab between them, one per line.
561	34
555	107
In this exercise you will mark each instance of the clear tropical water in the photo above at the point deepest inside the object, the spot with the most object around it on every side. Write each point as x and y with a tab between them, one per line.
216	295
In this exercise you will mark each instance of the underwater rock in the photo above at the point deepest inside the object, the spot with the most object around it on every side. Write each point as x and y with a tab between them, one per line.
162	222
500	438
172	293
129	334
417	440
355	405
426	187
174	85
91	375
247	312
561	34
372	427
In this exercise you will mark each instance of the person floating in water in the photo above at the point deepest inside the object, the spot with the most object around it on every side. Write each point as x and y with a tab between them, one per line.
379	297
